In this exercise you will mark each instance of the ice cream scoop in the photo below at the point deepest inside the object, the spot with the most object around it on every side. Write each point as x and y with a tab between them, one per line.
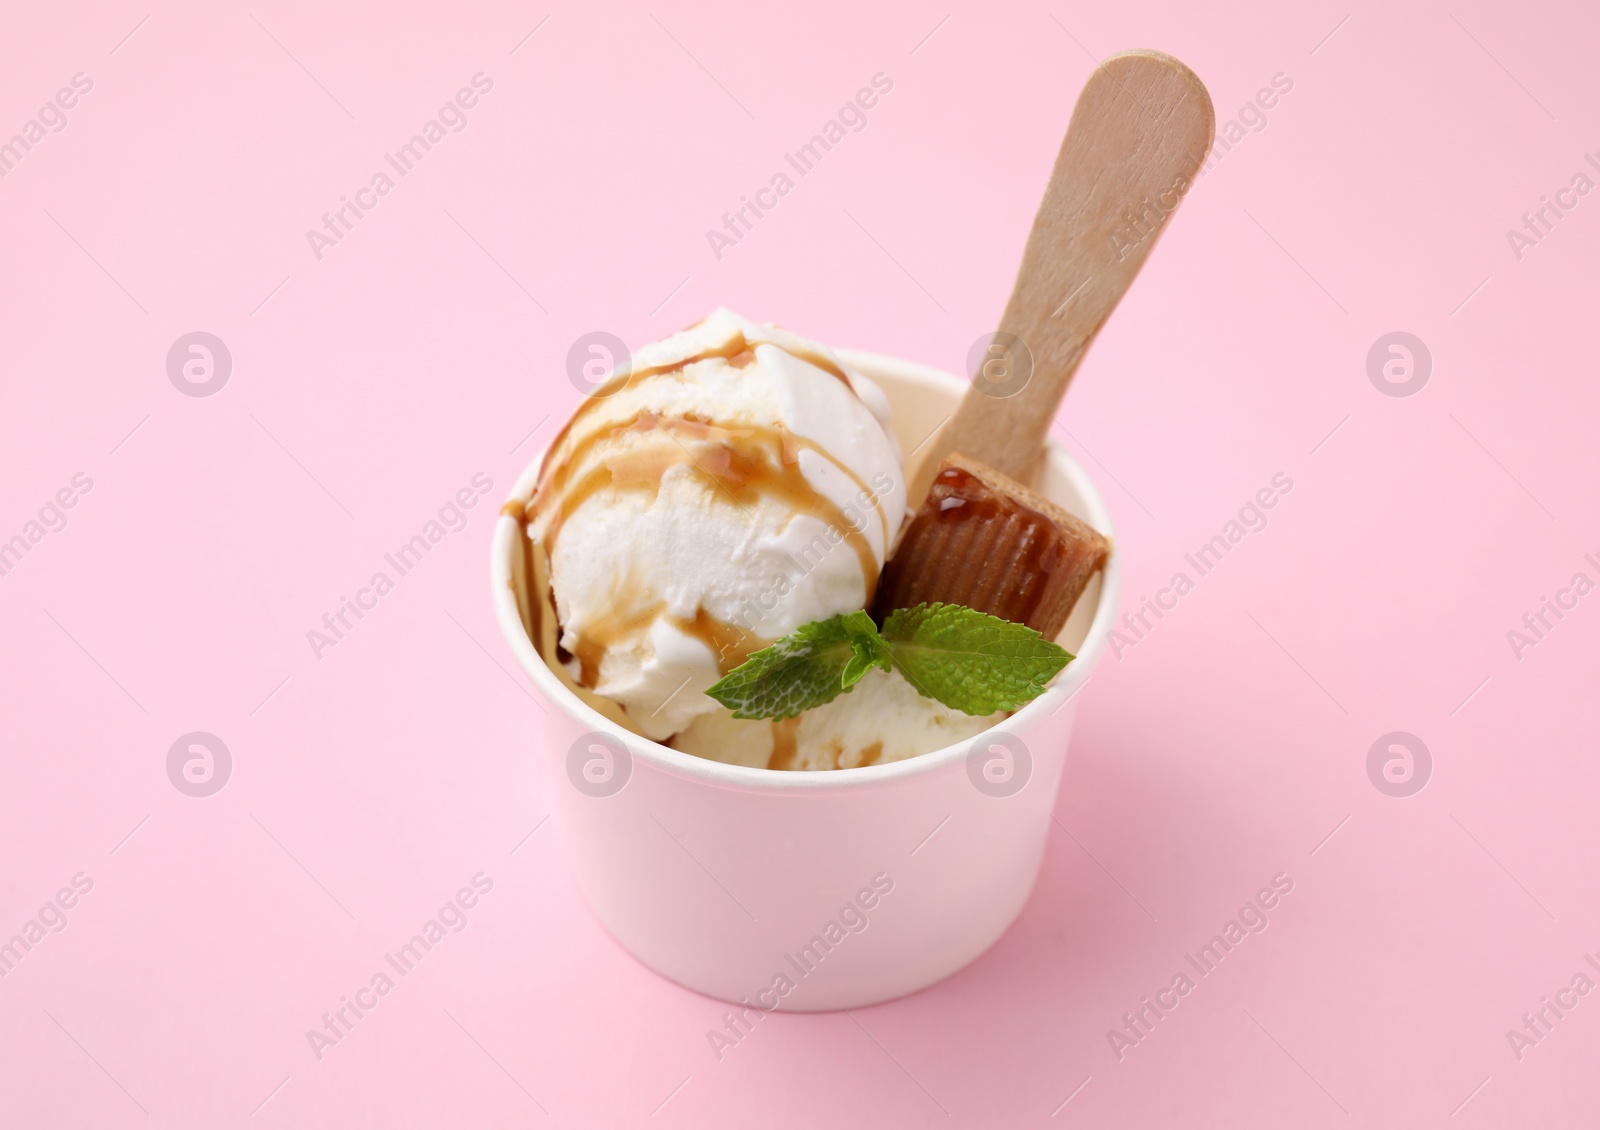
730	484
883	719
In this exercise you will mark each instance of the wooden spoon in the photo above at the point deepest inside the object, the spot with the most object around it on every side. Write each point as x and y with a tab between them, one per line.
1141	128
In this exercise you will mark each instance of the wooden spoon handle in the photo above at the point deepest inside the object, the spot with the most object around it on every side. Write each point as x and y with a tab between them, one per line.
1139	132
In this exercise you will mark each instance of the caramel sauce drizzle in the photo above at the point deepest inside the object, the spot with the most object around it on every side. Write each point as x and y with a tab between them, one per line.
785	744
632	612
730	643
736	350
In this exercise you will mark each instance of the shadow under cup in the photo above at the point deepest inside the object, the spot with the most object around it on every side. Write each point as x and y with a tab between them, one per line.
809	891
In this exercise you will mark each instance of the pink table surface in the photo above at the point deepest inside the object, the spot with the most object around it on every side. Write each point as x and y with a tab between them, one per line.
1225	744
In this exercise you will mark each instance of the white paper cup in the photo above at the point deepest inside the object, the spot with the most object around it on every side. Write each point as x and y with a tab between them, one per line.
808	891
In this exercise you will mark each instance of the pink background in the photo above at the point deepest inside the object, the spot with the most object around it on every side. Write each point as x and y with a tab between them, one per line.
368	387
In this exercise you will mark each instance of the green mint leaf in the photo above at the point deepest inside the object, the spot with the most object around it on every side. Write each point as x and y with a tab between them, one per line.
971	661
870	650
968	660
810	666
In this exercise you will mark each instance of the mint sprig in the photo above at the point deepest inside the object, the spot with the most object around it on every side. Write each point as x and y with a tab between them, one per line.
971	661
812	665
968	660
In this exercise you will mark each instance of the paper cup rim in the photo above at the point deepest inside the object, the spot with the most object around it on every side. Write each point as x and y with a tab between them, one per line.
783	781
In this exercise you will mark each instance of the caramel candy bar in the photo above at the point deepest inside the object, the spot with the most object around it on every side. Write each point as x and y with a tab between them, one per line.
984	540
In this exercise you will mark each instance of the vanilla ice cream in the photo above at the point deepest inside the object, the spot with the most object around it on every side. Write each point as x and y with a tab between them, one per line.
731	484
882	718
